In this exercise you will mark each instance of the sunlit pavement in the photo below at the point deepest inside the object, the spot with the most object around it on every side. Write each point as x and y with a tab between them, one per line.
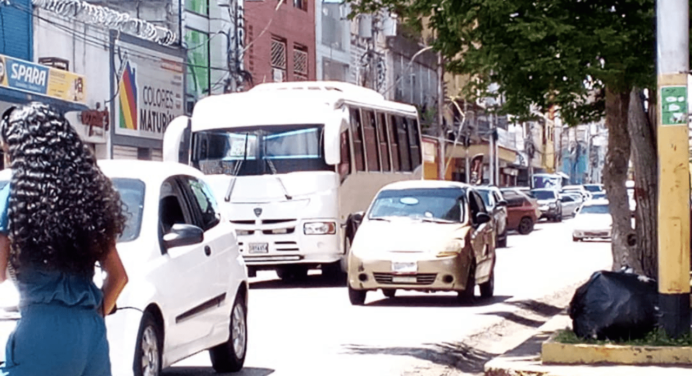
310	328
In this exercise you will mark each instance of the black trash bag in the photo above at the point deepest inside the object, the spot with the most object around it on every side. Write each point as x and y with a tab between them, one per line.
614	306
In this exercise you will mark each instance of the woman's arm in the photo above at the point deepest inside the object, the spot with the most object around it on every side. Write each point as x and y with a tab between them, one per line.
116	279
4	256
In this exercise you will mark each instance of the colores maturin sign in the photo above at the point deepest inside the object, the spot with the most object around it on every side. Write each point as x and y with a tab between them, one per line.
149	92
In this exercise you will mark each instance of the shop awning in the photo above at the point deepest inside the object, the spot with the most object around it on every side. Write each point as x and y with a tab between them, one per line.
20	97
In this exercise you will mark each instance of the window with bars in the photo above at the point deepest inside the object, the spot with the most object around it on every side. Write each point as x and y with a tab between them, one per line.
278	59
300	62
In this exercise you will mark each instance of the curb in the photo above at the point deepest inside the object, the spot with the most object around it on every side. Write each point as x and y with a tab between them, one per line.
561	353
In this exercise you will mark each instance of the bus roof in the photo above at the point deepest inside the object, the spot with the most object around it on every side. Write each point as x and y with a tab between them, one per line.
287	103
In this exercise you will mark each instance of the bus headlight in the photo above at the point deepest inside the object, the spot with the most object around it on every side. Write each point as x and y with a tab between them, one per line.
319	228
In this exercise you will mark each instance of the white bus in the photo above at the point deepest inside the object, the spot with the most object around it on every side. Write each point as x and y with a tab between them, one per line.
295	164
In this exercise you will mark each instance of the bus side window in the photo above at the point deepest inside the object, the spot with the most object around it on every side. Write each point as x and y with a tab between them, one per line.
370	139
414	140
384	141
394	143
357	131
405	153
345	165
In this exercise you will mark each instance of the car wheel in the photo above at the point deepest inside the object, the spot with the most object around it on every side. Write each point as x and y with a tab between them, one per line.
148	349
575	239
558	218
230	356
488	288
502	243
466	296
390	293
525	226
357	297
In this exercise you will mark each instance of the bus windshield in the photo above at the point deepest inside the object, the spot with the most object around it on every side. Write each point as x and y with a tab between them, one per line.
546	181
260	150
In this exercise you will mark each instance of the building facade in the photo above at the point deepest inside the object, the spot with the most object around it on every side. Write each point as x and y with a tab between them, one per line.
280	40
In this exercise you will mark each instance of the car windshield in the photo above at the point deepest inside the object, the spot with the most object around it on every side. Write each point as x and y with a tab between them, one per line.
260	150
544	195
595	209
132	195
444	204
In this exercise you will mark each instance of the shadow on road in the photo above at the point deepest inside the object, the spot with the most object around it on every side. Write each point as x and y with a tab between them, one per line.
543	309
513	317
455	355
435	301
203	371
309	282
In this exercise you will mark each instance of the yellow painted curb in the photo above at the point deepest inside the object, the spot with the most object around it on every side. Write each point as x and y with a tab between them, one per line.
560	353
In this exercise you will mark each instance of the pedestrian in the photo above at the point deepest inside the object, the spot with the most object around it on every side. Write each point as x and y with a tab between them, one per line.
61	216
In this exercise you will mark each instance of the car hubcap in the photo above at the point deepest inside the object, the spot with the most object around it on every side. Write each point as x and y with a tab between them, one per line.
150	353
239	331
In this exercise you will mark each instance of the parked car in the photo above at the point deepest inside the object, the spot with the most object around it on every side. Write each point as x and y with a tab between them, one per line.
423	235
497	207
570	203
548	204
593	220
188	284
585	194
594	188
522	211
598	195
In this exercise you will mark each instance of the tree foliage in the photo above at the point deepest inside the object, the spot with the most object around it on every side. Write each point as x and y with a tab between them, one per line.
540	52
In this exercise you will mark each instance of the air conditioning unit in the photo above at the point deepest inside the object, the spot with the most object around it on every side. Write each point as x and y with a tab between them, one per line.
389	26
365	26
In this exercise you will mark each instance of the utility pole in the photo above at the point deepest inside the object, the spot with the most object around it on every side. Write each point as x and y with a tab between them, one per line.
673	66
441	173
491	153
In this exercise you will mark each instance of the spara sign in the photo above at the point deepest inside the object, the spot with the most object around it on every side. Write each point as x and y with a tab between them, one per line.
43	80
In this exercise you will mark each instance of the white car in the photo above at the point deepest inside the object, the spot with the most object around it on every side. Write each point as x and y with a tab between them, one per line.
593	221
570	203
188	284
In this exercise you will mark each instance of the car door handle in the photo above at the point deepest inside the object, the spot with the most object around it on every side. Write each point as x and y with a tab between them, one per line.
207	250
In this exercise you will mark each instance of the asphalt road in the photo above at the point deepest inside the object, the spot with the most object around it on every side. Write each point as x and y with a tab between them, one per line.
310	328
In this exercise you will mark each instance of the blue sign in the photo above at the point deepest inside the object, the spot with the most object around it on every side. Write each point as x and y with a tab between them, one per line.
26	76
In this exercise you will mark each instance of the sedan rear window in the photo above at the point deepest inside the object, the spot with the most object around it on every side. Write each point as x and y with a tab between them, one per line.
440	203
132	195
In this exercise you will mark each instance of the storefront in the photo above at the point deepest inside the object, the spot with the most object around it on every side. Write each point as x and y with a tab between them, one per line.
148	90
23	82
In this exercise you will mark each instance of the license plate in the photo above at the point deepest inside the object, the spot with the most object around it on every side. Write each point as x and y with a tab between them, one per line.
404	267
258	248
400	279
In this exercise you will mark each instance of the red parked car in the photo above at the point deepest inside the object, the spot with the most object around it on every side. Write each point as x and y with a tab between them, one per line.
522	211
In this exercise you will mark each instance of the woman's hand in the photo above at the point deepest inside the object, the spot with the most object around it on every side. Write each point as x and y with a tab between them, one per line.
116	279
4	256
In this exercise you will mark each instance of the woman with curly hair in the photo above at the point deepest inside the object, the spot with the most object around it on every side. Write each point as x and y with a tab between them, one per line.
59	216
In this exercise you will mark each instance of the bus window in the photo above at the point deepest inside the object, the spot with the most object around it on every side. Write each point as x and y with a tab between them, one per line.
345	165
404	151
370	139
393	139
357	131
414	140
383	139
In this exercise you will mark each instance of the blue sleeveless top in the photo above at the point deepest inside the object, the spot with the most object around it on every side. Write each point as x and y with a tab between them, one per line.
39	286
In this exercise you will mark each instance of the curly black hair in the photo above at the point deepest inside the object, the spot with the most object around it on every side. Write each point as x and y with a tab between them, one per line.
64	213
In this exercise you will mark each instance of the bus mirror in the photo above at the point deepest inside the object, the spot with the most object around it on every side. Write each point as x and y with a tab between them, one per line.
332	139
173	137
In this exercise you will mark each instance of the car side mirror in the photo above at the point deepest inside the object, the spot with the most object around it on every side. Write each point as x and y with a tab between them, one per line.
182	235
482	218
502	203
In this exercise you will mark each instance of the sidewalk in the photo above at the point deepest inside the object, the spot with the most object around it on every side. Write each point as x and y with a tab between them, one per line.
525	360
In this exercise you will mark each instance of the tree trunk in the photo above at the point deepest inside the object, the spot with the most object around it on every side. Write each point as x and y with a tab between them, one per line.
644	254
615	174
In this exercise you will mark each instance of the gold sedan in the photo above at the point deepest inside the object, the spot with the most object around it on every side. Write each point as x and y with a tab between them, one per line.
423	236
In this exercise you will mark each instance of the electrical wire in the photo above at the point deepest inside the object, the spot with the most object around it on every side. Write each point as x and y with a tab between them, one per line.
102	16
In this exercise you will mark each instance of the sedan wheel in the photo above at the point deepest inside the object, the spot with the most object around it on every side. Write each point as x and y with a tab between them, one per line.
148	350
467	296
488	288
357	297
525	226
230	356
